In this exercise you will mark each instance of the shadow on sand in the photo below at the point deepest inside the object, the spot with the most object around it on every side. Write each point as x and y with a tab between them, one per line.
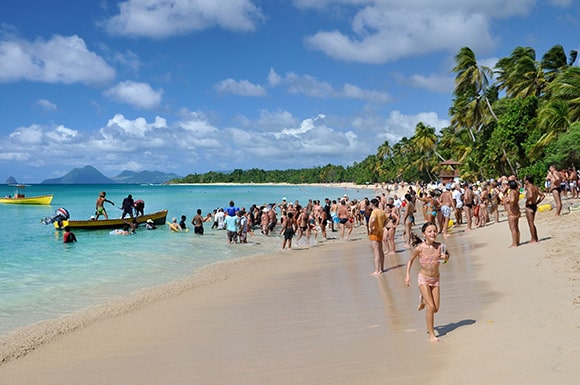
445	329
394	267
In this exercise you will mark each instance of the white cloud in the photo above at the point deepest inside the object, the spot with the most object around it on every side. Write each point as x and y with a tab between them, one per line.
62	59
350	91
62	135
30	135
39	145
273	78
242	88
46	105
433	82
404	125
388	30
305	143
269	120
160	18
312	87
277	139
140	95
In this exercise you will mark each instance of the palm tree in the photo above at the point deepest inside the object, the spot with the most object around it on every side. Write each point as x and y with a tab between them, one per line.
554	61
385	150
561	110
402	151
566	87
471	107
510	70
521	75
424	138
456	146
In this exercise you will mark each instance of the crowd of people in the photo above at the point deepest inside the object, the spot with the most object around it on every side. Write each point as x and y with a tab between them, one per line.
445	204
441	206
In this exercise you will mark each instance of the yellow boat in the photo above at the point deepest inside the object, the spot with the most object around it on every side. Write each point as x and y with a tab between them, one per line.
158	218
21	199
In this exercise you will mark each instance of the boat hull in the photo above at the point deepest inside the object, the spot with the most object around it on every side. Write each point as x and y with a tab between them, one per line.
159	218
37	200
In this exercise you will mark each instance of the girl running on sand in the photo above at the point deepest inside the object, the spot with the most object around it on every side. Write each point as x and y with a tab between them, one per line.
430	253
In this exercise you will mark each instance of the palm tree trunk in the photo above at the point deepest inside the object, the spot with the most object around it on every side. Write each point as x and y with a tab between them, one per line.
509	163
490	109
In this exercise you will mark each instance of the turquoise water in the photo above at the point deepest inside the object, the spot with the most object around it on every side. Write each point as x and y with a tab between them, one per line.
42	278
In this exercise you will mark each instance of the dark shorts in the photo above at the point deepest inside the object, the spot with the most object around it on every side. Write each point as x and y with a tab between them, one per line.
343	220
232	236
198	230
271	225
288	234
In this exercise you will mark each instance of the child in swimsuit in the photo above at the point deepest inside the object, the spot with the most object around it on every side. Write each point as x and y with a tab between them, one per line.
430	254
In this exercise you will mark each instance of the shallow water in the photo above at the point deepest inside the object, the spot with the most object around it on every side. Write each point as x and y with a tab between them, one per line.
42	278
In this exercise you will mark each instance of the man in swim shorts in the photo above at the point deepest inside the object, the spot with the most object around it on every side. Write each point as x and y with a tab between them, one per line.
100	205
555	180
375	230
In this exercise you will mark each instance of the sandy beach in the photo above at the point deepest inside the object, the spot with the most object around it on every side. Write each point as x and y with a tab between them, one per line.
315	316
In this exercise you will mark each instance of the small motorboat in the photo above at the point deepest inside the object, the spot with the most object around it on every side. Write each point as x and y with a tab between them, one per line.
158	217
21	199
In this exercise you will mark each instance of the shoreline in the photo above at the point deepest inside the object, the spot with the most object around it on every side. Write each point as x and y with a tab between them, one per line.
503	318
20	342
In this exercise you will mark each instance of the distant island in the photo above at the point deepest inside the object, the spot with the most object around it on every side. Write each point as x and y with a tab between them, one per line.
90	175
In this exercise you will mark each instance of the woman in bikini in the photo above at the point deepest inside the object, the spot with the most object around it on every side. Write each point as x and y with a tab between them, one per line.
390	227
408	219
430	254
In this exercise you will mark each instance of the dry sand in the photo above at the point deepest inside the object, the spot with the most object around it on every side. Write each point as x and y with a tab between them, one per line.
315	316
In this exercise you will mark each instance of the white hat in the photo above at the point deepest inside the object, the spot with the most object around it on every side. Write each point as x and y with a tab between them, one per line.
149	220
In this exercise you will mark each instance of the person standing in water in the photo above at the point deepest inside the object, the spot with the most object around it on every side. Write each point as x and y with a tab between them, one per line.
430	254
69	236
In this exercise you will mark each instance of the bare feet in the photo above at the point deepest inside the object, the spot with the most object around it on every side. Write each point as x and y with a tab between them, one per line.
421	303
376	273
433	338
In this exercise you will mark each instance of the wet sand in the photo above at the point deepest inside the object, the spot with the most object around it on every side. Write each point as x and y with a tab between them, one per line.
315	316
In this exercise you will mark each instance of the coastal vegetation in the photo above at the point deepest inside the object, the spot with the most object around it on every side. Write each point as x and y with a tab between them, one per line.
517	118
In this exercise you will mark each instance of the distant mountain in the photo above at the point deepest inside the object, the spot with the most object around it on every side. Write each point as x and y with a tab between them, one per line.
85	175
11	180
90	175
155	177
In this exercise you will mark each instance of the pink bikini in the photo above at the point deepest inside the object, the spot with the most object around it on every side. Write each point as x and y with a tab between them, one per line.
425	280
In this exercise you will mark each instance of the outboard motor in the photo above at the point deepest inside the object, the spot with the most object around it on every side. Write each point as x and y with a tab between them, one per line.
61	214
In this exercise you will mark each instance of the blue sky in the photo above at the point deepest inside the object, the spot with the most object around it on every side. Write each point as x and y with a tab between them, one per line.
190	86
